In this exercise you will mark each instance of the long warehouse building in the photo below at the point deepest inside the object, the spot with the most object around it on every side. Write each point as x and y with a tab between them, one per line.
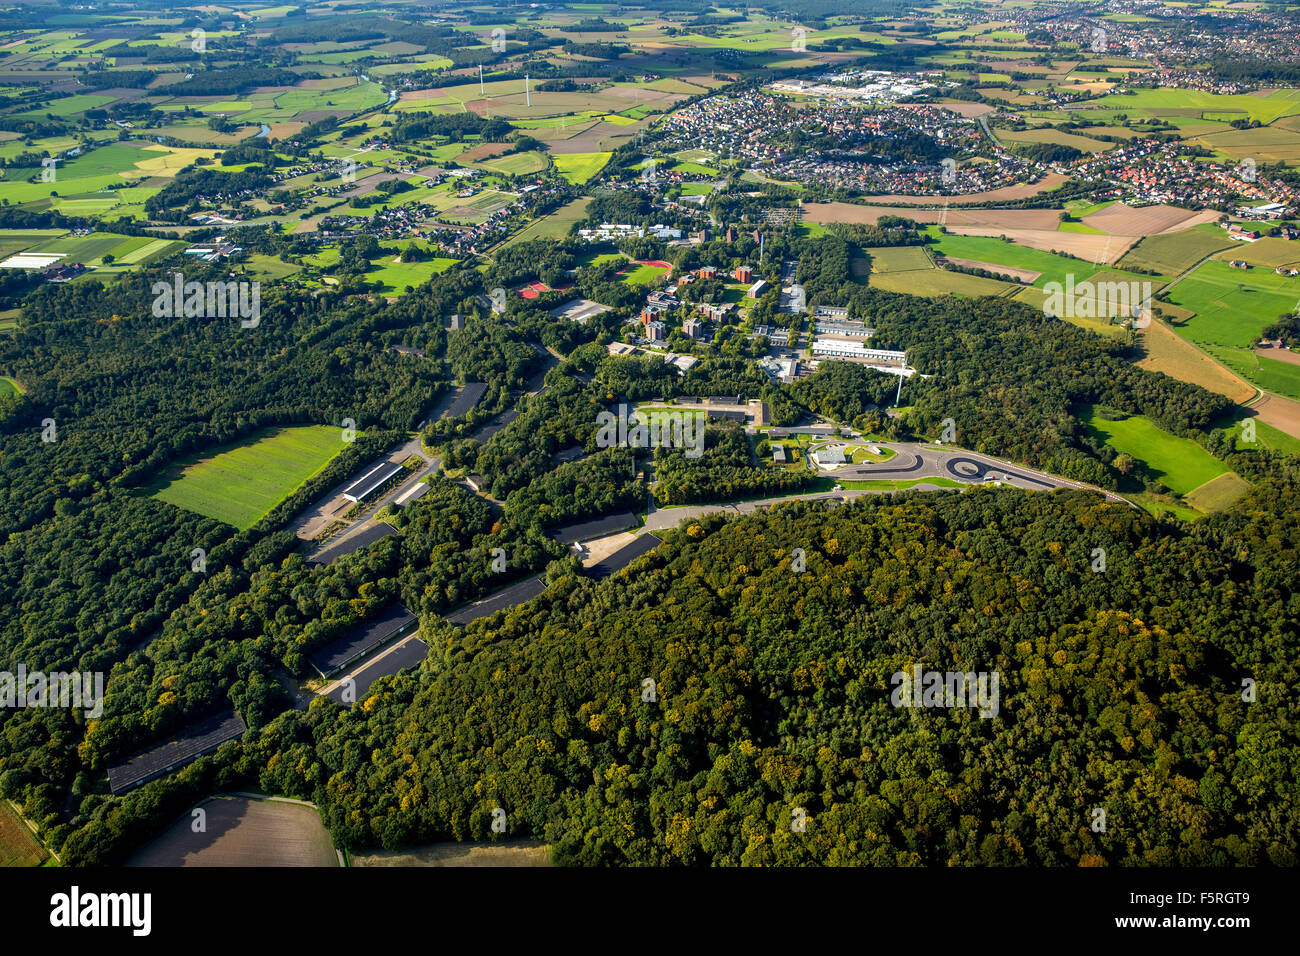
371	481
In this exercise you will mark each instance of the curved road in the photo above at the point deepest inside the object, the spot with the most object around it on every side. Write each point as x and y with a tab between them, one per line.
958	464
912	462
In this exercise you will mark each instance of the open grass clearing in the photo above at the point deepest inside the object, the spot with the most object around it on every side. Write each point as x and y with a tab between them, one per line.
239	484
1178	463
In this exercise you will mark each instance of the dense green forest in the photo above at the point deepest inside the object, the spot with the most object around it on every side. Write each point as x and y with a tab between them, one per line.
1120	690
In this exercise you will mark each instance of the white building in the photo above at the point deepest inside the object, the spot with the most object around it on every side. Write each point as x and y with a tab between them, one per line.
829	457
833	346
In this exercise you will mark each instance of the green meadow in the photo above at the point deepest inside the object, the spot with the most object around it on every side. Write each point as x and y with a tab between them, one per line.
577	168
242	483
1232	305
1179	463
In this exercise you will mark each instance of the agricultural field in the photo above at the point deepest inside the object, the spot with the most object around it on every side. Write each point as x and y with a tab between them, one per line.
1232	305
17	845
556	225
1174	253
241	484
1180	104
1270	374
241	831
497	854
1217	493
1168	352
936	282
1049	135
995	252
577	168
956	153
898	259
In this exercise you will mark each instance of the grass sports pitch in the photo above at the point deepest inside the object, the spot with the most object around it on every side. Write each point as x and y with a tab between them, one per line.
241	484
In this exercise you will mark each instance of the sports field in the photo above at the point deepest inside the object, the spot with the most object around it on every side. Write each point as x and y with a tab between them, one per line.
240	485
642	273
396	276
1179	463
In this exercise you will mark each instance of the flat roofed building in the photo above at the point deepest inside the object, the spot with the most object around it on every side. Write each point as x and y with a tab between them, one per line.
844	327
371	481
190	744
835	347
831	457
374	631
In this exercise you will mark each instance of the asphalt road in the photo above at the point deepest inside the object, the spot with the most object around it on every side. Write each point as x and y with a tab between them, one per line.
920	461
913	462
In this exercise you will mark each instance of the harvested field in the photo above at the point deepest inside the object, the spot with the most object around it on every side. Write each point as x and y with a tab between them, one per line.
485	151
1282	355
287	129
1282	413
1024	275
1105	250
1124	220
1201	218
602	137
502	853
370	183
1060	137
1005	194
966	109
1170	353
1039	219
314	116
242	831
1217	493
